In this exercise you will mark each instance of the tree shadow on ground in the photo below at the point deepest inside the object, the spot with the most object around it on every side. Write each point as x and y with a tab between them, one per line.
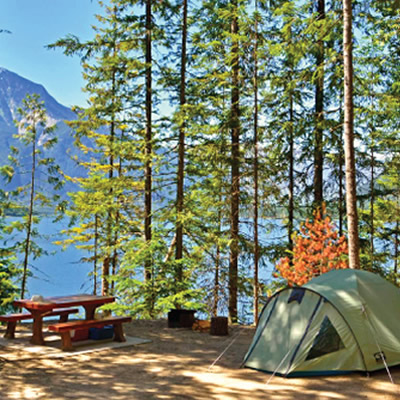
176	365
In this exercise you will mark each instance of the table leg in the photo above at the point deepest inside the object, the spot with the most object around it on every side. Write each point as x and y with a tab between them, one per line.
90	310
119	333
37	328
66	341
10	332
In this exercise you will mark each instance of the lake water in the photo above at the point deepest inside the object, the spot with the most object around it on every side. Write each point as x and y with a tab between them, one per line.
64	273
60	273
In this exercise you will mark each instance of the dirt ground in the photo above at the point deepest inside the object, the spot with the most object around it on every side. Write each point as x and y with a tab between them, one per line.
177	364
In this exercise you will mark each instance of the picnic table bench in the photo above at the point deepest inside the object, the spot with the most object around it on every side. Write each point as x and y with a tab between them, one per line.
12	319
65	328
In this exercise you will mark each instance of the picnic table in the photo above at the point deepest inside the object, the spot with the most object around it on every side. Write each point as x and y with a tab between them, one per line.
39	309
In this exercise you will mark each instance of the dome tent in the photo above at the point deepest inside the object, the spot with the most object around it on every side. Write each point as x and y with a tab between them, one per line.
342	321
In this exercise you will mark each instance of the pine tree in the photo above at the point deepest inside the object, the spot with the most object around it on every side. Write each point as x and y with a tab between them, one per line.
148	153
377	99
8	270
35	134
256	136
105	204
181	148
235	164
285	104
351	196
319	108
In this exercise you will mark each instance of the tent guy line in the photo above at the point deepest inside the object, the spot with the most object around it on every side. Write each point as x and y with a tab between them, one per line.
377	344
224	351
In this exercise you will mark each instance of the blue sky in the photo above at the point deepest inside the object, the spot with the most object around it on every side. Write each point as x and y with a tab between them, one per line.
36	23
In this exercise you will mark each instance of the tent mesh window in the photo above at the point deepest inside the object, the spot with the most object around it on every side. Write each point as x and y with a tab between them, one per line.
327	341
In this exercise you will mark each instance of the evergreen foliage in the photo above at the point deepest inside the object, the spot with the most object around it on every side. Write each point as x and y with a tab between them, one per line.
37	135
212	129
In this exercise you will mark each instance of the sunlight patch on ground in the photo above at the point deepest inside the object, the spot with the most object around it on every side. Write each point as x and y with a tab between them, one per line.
27	393
155	369
241	386
210	378
387	387
328	395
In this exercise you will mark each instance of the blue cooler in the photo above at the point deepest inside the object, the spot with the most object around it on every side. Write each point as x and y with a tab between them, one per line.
107	332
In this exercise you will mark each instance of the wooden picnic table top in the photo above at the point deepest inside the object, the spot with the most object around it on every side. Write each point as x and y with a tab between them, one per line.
48	303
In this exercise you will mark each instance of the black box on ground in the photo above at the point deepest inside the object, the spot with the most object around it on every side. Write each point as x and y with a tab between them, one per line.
181	318
107	332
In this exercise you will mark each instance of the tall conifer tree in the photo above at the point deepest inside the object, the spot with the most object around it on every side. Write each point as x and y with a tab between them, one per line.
319	108
255	167
235	163
351	193
148	152
104	204
181	146
36	134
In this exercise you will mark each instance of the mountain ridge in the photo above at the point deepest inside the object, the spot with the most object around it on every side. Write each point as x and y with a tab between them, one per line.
13	89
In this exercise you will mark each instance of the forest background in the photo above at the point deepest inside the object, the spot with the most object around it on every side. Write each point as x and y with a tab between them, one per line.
209	125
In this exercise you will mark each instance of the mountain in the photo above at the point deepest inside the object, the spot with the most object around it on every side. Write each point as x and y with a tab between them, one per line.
13	89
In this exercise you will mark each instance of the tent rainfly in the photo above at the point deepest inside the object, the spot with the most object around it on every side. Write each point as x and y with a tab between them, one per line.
342	321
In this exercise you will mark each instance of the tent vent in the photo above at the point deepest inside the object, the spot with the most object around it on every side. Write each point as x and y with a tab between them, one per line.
327	341
296	295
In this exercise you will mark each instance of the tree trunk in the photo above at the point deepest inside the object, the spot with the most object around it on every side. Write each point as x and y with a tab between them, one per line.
396	237
104	274
216	282
290	227
114	259
396	247
110	217
255	177
235	169
148	155
341	189
319	115
30	215
181	150
117	220
291	174
372	204
95	252
351	196
217	266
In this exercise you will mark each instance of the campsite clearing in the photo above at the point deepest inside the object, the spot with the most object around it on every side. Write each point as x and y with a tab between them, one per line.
175	365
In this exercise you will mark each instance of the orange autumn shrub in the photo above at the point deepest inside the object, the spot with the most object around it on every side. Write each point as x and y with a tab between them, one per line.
317	249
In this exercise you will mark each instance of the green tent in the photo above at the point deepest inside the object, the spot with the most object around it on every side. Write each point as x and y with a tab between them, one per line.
344	320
